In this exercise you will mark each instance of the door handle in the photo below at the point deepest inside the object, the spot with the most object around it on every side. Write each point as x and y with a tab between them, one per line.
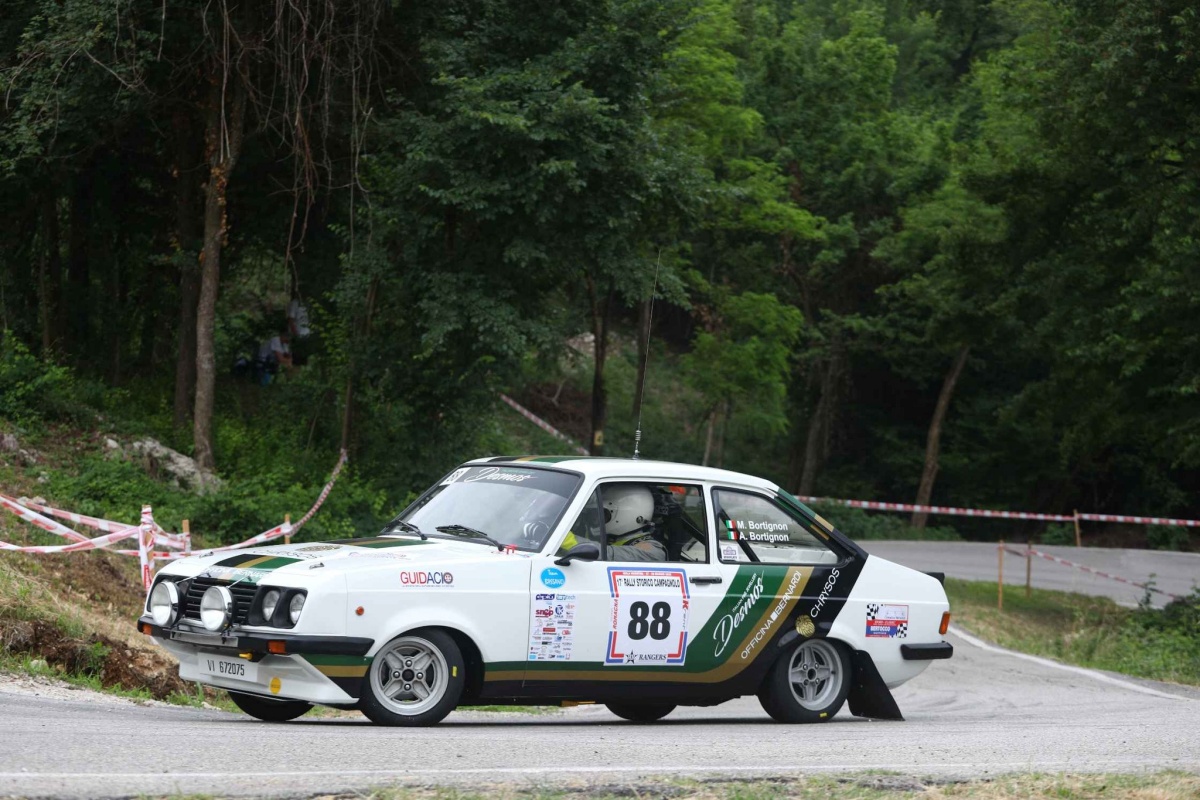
705	579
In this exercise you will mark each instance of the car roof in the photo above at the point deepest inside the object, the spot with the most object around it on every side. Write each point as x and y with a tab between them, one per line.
604	467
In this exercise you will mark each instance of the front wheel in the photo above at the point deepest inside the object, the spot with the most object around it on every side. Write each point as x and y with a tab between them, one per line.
416	679
269	710
647	712
809	683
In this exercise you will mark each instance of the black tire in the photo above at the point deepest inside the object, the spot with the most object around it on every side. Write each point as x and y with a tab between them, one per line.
269	710
414	680
646	712
808	683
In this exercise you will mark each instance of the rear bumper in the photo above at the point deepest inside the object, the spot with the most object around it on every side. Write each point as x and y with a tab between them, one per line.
926	652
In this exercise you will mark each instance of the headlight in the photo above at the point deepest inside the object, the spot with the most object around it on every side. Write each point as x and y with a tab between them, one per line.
164	603
270	600
216	608
295	607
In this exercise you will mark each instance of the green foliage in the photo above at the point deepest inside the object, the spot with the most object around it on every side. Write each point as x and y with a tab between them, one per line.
864	525
33	390
1168	537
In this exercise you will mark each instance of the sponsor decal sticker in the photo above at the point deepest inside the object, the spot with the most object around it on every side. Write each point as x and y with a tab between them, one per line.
454	476
426	578
730	552
649	616
729	624
553	578
886	621
498	474
805	627
769	623
313	548
552	616
824	595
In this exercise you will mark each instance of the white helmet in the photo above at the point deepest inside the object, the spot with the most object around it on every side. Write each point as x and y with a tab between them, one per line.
626	508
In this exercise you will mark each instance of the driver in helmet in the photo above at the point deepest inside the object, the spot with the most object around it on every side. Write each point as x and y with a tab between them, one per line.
628	511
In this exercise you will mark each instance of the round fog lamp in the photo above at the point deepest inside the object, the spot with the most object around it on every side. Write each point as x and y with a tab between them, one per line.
270	600
295	607
164	603
216	608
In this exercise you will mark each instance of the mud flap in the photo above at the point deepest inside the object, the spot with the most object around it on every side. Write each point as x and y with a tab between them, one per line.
869	695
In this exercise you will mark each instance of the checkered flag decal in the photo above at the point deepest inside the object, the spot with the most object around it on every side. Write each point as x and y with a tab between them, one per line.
872	611
902	630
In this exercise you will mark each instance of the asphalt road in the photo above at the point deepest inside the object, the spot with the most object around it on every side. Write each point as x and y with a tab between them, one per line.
1177	573
982	713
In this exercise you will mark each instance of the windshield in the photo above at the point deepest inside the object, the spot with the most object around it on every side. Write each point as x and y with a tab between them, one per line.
516	506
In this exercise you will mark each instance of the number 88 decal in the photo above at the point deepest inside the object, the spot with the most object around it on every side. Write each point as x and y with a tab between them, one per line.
655	621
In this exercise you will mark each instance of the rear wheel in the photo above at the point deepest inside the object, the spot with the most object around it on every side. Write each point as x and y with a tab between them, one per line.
646	712
416	679
809	683
269	710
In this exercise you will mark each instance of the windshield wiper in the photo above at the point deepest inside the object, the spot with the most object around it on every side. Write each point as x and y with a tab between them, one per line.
463	530
407	527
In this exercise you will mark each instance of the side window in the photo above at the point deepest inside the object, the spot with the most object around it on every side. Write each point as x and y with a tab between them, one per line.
753	528
644	522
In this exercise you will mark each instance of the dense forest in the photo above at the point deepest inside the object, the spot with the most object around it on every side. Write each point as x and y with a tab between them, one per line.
908	250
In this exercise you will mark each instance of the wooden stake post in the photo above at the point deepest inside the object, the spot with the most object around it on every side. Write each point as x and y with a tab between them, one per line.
287	537
1028	568
1000	582
1078	538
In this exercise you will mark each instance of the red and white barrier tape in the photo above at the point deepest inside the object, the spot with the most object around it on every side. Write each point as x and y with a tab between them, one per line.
173	540
1184	523
45	523
948	510
541	423
1087	569
980	512
148	531
74	547
279	530
337	469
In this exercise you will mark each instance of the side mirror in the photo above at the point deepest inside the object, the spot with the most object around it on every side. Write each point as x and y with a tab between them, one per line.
584	551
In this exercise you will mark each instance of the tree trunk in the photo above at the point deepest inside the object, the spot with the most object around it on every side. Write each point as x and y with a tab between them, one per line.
820	425
50	278
186	229
348	400
601	310
933	440
223	142
726	413
78	276
708	436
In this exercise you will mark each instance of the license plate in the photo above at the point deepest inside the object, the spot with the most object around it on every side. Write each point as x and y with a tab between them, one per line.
236	668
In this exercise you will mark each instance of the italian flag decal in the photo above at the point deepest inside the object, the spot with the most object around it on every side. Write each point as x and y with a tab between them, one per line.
731	529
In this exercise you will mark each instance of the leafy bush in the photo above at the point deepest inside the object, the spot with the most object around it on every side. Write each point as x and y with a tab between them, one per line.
1058	534
1168	537
33	390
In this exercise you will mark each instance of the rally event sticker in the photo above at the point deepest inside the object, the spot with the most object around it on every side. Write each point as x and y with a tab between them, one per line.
887	621
649	616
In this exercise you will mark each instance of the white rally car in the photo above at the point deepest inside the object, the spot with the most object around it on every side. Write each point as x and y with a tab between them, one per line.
642	585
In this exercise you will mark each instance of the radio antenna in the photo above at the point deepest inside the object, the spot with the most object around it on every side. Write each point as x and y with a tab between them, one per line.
637	434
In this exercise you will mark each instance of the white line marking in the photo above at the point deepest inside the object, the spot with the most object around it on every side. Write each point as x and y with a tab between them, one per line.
1046	662
906	767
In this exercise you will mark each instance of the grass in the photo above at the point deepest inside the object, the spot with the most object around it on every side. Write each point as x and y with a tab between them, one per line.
1082	630
860	786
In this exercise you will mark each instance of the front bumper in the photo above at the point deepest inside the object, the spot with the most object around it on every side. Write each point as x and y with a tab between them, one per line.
257	642
316	669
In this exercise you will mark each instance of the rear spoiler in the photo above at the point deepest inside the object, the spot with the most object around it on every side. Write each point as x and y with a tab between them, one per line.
941	577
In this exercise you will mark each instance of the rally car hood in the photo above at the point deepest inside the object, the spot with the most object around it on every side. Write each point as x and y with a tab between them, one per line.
344	555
